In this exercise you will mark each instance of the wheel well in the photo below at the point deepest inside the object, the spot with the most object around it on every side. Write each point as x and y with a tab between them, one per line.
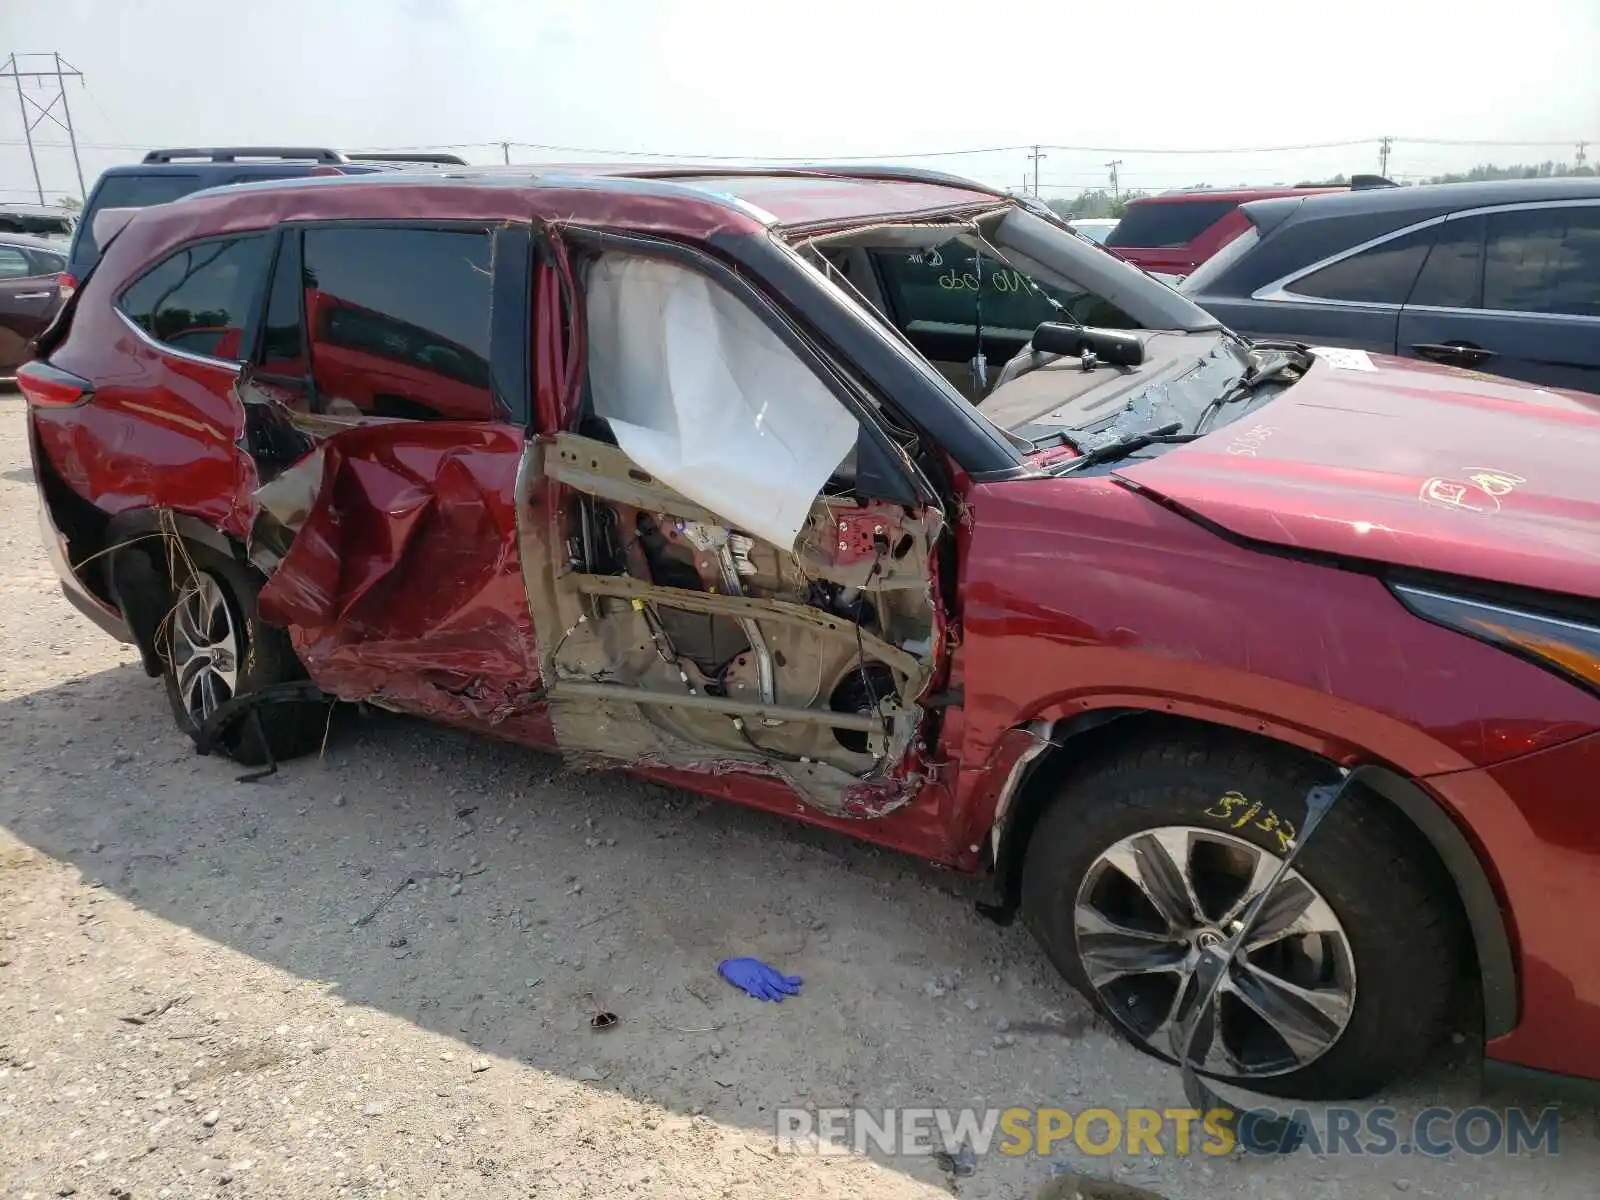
1438	842
138	578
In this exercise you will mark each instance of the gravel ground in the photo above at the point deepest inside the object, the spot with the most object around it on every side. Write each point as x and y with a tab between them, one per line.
191	1003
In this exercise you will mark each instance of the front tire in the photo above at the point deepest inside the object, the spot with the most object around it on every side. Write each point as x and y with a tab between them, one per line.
1153	852
215	648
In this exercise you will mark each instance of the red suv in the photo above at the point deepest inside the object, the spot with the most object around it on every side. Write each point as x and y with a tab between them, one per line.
1175	232
884	501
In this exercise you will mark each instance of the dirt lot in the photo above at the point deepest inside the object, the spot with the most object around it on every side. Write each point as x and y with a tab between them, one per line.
189	1001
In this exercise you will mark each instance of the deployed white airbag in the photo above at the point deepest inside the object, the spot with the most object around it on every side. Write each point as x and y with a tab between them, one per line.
702	394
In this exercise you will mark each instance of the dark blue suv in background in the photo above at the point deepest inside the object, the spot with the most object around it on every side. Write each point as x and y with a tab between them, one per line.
167	174
1502	277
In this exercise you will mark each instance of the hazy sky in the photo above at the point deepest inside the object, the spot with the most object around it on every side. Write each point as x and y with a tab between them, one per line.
828	78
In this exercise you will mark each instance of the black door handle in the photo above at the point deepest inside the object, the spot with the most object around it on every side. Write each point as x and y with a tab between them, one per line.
1462	355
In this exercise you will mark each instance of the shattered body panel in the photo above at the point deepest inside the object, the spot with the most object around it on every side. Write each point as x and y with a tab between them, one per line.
124	454
402	584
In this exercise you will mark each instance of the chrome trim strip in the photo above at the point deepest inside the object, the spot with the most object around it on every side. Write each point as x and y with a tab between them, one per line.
1587	202
144	336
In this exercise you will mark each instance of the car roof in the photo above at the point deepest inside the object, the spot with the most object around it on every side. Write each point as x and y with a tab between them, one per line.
1426	199
29	242
687	201
1231	195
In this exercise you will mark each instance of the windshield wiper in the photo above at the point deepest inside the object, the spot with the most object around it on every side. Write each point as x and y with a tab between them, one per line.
1161	435
1247	384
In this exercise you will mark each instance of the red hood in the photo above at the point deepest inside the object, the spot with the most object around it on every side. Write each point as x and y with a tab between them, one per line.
1412	464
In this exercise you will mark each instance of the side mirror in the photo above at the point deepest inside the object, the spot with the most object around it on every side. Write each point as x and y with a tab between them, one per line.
1112	346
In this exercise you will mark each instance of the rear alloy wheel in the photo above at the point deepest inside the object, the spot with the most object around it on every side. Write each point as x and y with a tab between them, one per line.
1154	851
205	647
1152	903
216	649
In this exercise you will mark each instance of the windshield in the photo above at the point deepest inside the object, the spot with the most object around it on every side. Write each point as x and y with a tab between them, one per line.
1150	224
970	295
126	191
53	228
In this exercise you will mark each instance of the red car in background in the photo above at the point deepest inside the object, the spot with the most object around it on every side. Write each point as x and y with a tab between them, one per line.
1174	233
743	508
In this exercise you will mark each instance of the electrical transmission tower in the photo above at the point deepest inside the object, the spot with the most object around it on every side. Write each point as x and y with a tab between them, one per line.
29	66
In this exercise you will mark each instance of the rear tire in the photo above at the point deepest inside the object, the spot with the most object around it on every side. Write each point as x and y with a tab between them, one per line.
215	647
1374	990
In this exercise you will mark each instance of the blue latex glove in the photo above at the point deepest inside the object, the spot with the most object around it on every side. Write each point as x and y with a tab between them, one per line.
759	980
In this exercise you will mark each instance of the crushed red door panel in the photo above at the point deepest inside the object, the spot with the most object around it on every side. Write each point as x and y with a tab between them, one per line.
403	584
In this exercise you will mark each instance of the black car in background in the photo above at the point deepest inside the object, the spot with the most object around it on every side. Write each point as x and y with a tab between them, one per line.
165	175
1502	277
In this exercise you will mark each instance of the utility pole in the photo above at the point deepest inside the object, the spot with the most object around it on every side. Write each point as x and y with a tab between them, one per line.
505	152
1383	155
60	70
1036	156
1583	154
1116	194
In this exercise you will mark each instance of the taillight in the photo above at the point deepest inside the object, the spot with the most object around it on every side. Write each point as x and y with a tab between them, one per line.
44	386
67	284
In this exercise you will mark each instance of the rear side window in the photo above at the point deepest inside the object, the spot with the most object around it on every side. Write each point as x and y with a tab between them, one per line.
198	299
1544	261
127	191
14	263
1168	223
1453	275
396	321
1382	275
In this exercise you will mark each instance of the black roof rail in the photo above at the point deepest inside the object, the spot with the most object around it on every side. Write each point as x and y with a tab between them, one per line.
1361	183
441	160
234	153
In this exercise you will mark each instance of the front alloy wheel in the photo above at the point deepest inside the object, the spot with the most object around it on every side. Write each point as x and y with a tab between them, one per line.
1153	850
1152	903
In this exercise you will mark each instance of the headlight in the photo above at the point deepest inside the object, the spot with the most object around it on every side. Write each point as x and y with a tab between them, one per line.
1560	644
